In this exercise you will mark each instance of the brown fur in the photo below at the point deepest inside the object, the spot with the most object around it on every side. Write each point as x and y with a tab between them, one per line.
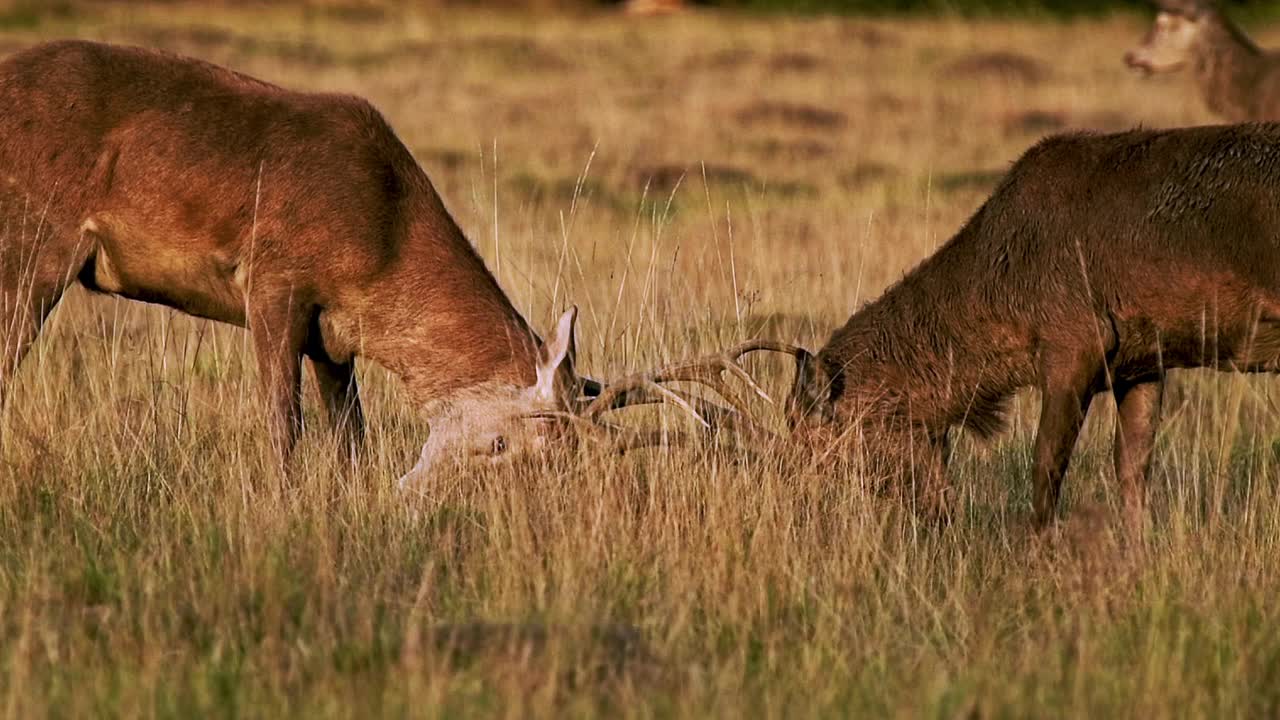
1237	80
1099	261
301	216
652	7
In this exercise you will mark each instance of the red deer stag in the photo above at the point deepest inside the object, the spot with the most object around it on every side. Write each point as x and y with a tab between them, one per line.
1098	262
1238	81
299	216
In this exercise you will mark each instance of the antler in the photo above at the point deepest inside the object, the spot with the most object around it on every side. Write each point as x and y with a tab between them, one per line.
709	371
624	439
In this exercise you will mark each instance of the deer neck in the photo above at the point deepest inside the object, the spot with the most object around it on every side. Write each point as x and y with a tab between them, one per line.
1228	68
913	358
437	318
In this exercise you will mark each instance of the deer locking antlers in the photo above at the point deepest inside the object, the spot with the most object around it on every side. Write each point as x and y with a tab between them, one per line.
713	372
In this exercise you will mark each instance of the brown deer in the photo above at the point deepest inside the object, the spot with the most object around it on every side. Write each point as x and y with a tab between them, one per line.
1238	81
1099	262
299	216
646	8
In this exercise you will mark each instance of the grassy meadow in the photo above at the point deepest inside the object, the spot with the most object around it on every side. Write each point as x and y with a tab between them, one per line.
688	181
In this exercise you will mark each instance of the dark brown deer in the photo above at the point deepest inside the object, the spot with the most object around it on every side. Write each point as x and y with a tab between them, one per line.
1099	262
299	216
1237	80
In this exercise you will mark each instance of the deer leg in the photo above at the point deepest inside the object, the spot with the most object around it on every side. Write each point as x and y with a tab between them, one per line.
33	277
279	332
1067	389
1138	414
21	316
341	398
929	476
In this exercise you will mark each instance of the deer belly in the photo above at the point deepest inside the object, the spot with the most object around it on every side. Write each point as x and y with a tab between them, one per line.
189	276
1244	341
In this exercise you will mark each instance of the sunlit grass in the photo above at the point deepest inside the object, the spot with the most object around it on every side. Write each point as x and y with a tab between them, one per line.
688	182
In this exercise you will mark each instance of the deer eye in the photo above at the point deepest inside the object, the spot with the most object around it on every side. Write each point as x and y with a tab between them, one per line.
499	445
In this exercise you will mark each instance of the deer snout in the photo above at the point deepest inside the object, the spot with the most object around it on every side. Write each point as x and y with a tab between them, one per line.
418	474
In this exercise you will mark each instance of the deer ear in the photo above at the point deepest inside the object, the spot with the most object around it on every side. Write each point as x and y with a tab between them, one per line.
557	352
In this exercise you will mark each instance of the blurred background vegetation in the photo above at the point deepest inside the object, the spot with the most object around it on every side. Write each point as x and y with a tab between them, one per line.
30	12
1245	8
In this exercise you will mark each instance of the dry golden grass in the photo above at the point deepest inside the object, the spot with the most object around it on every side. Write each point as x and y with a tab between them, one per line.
688	181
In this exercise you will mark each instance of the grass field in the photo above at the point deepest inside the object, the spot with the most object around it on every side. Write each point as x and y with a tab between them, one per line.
687	181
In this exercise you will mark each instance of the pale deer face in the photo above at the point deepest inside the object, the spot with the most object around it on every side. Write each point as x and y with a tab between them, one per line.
498	424
1169	45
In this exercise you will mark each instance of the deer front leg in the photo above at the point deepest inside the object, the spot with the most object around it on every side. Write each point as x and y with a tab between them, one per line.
341	398
1138	415
1067	388
279	331
933	496
34	273
20	319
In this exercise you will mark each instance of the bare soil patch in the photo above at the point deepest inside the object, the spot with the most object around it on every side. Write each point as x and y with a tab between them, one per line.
1035	122
521	52
726	59
968	180
865	174
1000	65
868	36
792	149
797	115
796	61
665	177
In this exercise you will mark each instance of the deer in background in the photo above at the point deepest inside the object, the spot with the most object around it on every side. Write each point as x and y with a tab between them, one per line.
646	8
1099	262
1237	80
299	216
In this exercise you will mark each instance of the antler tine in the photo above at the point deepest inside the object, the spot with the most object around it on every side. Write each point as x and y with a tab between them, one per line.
680	400
643	393
641	439
734	355
709	415
624	439
649	388
708	371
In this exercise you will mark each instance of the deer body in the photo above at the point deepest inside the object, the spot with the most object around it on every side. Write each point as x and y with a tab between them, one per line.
299	216
1098	263
1238	81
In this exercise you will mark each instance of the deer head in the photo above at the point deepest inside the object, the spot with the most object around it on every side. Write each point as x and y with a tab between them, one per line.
812	392
500	424
1174	36
497	422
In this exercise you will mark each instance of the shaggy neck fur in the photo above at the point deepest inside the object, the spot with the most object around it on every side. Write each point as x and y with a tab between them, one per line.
943	347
